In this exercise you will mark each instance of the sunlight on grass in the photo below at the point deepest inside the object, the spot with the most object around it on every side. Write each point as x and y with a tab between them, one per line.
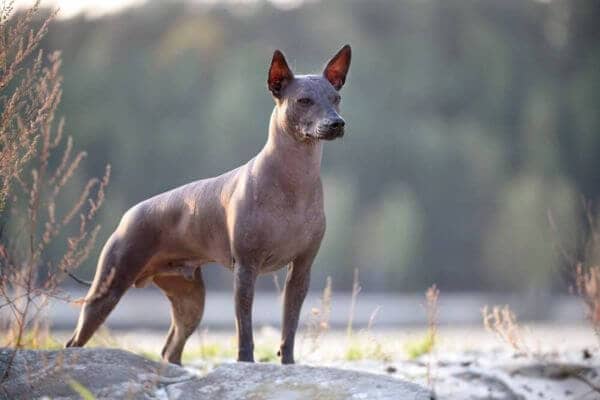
208	351
32	340
366	348
35	338
265	353
104	338
418	347
153	356
354	352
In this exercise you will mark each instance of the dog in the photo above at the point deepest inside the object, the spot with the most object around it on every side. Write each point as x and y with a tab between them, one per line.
254	220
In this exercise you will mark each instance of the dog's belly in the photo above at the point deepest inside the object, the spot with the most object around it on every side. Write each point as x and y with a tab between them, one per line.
269	269
275	260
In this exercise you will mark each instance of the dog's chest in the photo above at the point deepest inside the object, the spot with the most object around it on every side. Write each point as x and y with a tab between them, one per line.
277	226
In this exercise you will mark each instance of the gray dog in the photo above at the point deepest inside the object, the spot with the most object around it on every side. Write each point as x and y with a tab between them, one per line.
254	220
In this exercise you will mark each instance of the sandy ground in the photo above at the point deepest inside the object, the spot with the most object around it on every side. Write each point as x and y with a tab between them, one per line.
551	362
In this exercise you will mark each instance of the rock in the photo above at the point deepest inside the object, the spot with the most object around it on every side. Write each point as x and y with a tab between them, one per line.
294	382
113	374
106	373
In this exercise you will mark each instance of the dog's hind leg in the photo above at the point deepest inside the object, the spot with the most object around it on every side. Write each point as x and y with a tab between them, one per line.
116	272
187	306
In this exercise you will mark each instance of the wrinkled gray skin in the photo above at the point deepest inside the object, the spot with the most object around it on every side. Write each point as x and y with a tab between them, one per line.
254	220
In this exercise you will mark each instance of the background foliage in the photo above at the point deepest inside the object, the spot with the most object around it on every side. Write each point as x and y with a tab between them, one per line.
467	121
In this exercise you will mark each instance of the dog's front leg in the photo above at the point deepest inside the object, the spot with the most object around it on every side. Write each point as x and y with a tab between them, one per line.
244	280
296	287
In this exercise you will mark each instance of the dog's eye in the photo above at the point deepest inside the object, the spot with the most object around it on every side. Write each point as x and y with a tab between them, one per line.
305	101
337	99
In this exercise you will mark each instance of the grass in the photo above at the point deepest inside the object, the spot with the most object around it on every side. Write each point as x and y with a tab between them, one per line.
40	337
103	338
354	352
34	338
265	353
150	355
366	348
354	349
209	351
426	344
419	347
360	345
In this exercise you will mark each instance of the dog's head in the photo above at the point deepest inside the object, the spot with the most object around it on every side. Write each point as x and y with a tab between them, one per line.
308	105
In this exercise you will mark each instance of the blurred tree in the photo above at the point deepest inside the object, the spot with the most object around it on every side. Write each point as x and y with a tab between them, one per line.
336	256
520	251
389	239
483	113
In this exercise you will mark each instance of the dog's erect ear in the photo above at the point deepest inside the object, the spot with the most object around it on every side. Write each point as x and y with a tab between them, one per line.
337	69
279	74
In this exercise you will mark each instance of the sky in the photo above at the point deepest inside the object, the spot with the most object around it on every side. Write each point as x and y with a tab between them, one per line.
96	8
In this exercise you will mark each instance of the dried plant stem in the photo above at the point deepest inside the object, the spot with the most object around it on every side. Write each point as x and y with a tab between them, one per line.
503	323
355	291
31	183
432	296
588	288
584	263
318	321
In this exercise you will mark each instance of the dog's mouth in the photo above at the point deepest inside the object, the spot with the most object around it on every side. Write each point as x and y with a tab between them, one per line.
330	134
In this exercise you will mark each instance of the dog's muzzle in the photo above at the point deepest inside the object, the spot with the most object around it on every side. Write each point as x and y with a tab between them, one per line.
331	130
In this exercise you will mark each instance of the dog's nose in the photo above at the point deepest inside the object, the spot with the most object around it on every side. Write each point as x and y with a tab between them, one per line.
336	124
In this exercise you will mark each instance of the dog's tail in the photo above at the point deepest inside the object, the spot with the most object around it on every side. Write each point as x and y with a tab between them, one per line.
79	280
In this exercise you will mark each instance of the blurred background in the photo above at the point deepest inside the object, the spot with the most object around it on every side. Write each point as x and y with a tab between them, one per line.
469	122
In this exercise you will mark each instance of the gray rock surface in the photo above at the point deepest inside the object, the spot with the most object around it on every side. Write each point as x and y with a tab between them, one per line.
106	373
294	382
114	374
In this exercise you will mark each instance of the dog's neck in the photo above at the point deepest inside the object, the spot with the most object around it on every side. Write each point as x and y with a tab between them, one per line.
290	159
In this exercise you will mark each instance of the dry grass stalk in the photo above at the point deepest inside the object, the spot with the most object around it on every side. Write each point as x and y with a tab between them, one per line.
27	108
318	320
355	350
377	351
432	296
355	291
503	323
588	288
584	263
35	168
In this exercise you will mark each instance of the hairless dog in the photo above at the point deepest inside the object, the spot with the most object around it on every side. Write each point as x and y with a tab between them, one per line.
254	220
